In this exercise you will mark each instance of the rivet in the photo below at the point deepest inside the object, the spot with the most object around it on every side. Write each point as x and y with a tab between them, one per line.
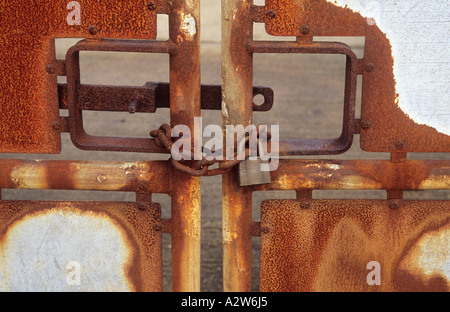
157	227
393	205
369	67
305	29
271	14
56	125
141	206
51	69
93	30
399	145
366	125
305	205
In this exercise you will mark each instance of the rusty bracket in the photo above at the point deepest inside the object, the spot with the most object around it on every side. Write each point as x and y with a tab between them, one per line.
77	97
319	146
78	135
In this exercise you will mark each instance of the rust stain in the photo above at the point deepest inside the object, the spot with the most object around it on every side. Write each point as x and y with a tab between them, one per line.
140	177
327	247
388	123
29	96
143	264
425	264
29	176
359	174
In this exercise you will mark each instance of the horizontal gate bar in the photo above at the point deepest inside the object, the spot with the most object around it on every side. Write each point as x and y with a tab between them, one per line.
299	47
360	175
151	96
153	176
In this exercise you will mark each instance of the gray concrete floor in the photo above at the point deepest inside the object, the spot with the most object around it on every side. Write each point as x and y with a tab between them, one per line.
308	104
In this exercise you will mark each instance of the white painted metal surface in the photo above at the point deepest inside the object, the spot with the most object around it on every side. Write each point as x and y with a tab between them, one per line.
419	33
64	250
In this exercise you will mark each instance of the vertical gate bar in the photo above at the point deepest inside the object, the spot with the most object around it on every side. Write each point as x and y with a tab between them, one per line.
237	101
184	30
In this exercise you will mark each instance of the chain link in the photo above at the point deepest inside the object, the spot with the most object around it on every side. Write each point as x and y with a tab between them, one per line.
198	168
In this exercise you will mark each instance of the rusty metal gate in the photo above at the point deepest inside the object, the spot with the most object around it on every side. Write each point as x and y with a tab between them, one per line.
306	244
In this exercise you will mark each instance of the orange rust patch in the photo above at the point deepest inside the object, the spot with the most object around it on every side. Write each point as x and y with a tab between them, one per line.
327	247
29	97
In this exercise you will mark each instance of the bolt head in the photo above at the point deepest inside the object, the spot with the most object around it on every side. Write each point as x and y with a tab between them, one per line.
305	30
394	205
157	227
51	69
399	145
369	67
141	206
305	205
366	125
270	13
56	125
93	30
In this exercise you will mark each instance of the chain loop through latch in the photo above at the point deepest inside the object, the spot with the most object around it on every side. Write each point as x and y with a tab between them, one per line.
198	168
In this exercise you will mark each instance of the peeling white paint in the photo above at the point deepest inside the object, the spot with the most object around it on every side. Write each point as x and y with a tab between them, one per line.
37	250
333	166
419	34
431	256
29	176
188	26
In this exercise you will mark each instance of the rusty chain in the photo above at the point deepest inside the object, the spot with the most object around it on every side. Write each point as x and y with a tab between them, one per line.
198	168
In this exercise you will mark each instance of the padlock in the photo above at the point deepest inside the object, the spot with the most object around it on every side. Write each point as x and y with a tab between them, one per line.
250	173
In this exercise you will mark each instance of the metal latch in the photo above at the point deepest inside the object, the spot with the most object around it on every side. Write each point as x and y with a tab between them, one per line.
77	97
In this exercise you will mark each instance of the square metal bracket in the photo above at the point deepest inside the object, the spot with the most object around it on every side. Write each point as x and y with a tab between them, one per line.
320	146
78	135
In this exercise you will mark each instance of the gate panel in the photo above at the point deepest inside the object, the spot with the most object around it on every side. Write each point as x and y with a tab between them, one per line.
29	100
328	246
387	99
30	121
116	246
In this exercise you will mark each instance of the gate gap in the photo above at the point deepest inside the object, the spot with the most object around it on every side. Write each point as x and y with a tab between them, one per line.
349	194
123	69
427	195
167	262
436	156
260	196
67	195
259	33
162	27
166	204
256	254
308	94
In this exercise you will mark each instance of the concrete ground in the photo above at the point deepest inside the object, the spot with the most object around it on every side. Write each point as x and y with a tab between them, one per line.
308	104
